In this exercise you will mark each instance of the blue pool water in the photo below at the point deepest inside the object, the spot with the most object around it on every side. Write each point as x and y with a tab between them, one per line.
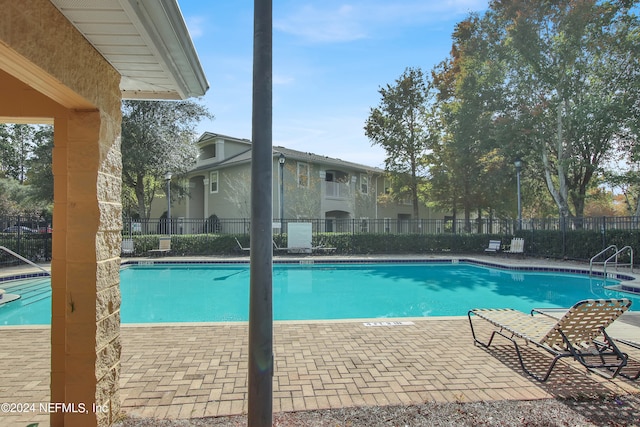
220	292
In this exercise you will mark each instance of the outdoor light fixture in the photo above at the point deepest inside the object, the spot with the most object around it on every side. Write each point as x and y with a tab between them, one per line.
518	165
167	177
281	160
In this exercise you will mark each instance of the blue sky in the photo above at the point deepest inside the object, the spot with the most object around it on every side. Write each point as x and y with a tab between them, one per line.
329	60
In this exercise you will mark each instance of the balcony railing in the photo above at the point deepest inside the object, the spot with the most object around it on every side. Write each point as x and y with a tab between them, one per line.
337	190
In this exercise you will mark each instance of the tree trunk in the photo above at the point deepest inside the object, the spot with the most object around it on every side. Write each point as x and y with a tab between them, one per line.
140	196
561	194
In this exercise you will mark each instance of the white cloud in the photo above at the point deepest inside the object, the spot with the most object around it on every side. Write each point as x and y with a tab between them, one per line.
280	79
335	21
196	26
323	24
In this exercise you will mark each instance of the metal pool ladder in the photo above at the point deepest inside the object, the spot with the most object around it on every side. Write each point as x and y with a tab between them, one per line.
612	259
20	257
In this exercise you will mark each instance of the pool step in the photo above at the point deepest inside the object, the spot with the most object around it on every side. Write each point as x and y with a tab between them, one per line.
630	287
31	291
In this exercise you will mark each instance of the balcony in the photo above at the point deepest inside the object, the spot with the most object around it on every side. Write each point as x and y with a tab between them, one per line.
337	190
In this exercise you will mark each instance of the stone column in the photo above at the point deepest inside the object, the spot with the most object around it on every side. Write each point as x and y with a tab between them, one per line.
85	333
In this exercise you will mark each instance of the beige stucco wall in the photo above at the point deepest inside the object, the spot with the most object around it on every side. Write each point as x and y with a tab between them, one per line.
51	73
311	202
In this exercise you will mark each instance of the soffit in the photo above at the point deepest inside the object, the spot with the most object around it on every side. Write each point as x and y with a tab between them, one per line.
146	41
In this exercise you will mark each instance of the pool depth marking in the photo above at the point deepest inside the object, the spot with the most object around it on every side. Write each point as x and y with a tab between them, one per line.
388	323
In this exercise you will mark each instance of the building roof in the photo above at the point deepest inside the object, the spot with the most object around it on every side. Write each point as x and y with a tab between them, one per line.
147	42
210	136
319	159
301	156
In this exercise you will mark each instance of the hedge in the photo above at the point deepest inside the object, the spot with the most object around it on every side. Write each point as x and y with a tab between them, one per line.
577	245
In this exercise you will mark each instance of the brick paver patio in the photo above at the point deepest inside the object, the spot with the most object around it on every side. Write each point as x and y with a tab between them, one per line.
188	371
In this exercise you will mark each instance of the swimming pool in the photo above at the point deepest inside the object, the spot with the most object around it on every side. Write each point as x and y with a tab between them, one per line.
220	292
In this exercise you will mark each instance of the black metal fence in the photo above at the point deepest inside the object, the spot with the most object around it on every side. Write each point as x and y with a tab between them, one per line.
578	238
28	236
504	227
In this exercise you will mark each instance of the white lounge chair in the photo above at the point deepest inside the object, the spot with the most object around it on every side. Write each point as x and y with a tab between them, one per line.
324	249
579	334
127	247
516	247
164	246
242	248
632	369
494	246
277	248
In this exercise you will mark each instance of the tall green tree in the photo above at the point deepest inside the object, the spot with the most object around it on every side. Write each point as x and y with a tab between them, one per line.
467	169
573	82
16	145
157	137
403	125
40	172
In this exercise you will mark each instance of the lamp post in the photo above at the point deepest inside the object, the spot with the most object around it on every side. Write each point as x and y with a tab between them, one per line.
281	160
167	177
518	165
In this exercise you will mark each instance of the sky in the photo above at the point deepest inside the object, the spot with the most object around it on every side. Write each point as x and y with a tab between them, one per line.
330	58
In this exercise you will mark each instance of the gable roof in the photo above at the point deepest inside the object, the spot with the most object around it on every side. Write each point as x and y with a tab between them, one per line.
324	160
207	136
245	157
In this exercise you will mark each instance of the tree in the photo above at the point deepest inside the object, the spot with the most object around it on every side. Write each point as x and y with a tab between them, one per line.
628	184
572	86
40	172
157	137
401	124
467	168
18	199
25	169
16	144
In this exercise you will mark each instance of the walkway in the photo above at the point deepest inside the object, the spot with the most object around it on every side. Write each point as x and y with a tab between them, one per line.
201	370
197	370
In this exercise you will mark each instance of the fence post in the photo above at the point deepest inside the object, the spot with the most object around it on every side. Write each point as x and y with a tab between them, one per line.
19	235
532	244
563	227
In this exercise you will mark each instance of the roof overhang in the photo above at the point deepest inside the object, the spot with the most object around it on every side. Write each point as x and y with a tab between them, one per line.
146	41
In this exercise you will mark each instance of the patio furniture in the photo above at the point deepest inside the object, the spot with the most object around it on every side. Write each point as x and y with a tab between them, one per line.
579	333
277	248
494	246
164	246
632	365
242	248
323	248
516	247
632	369
127	247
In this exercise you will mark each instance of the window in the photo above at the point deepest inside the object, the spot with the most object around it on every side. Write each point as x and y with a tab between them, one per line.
387	186
303	175
364	183
213	182
208	152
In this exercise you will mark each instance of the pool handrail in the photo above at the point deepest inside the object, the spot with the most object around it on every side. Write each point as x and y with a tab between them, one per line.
602	252
20	257
615	257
